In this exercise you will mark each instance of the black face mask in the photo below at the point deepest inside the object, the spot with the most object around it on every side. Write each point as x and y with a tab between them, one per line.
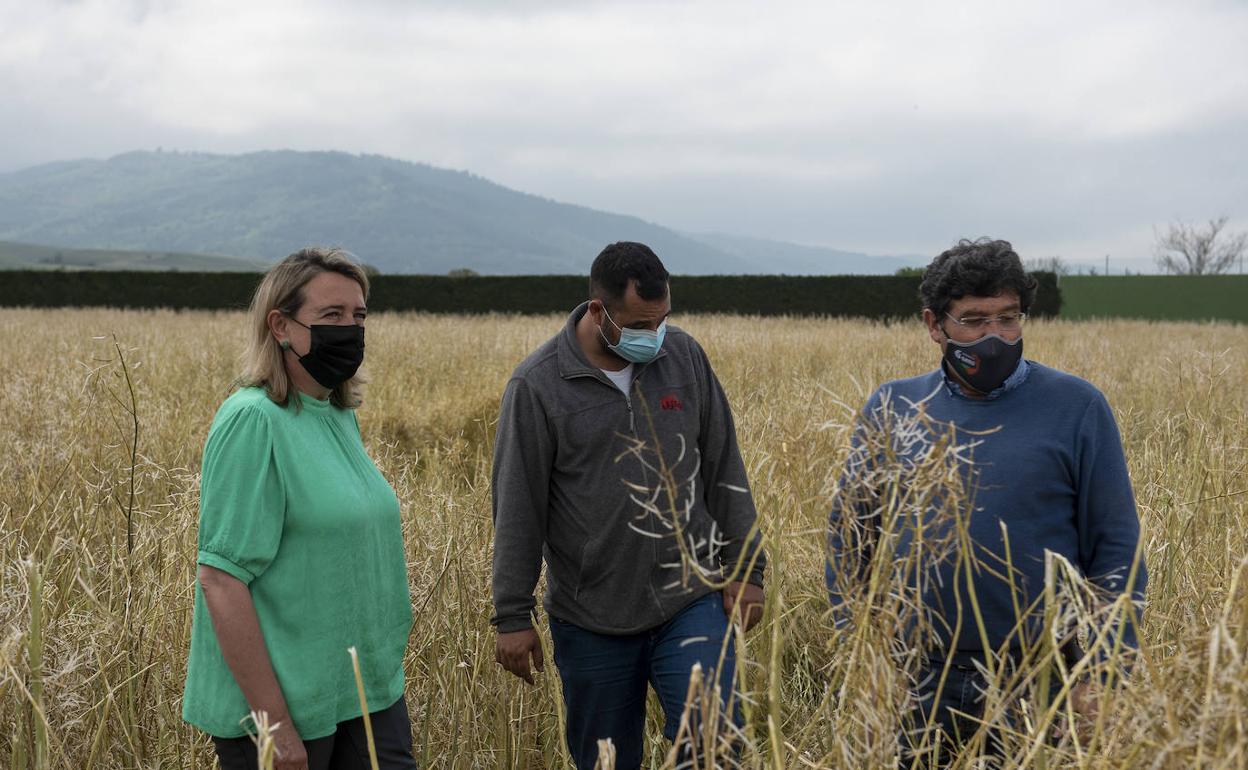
985	363
335	354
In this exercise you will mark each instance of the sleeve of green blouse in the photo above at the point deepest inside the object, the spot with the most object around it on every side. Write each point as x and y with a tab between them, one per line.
242	504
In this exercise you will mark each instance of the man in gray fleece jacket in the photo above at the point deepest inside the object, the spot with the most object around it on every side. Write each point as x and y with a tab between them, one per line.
617	463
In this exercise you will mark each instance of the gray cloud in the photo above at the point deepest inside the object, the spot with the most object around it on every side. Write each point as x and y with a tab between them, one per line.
1070	128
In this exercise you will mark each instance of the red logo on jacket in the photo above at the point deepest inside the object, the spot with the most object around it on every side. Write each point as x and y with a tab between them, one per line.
671	402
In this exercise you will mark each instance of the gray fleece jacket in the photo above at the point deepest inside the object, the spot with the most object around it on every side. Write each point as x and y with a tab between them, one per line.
624	497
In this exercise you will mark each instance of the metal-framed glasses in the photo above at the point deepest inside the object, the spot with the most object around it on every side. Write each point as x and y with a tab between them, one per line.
1004	321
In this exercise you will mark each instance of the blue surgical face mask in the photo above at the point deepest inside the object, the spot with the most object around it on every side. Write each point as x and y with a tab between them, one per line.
637	345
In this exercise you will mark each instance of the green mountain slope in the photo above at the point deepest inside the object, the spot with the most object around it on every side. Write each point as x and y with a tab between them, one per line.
795	259
401	217
27	256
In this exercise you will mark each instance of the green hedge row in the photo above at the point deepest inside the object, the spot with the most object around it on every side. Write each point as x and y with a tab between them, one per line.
851	295
1157	297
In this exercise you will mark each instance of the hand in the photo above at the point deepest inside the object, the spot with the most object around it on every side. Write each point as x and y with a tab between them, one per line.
745	599
512	650
290	754
1085	702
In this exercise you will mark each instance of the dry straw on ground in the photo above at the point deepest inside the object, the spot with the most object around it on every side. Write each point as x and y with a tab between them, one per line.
94	628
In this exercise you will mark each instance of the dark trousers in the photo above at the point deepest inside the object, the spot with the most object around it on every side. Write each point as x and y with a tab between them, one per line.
346	749
605	678
956	709
952	709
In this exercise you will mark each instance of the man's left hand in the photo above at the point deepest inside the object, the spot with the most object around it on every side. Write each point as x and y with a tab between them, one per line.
1085	702
746	601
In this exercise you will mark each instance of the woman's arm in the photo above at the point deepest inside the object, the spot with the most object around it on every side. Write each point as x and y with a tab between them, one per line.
242	645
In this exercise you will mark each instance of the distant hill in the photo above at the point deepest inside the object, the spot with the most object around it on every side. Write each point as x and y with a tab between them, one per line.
27	256
795	259
401	217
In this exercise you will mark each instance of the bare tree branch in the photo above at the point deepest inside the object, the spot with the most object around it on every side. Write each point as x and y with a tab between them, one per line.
1185	249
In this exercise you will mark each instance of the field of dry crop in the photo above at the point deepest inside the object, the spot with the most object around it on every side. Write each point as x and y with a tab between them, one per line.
104	415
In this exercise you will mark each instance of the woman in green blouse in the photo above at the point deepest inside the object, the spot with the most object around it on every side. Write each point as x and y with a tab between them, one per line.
300	550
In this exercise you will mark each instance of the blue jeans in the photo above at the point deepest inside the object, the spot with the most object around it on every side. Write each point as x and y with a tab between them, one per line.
956	710
605	677
952	709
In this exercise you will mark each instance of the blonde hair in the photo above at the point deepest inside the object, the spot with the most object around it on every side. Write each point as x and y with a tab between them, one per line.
264	364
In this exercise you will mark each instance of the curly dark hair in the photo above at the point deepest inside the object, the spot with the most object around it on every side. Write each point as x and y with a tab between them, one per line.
626	261
979	268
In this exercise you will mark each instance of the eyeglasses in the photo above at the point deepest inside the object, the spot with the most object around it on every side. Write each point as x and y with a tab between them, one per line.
1005	321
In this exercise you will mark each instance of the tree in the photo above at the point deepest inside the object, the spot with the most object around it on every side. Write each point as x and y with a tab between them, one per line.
1185	249
911	272
1048	265
463	272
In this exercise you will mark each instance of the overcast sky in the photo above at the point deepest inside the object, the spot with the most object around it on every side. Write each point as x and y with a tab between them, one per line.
1070	128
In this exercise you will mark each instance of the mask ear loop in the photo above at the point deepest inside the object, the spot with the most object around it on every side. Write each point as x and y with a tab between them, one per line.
945	364
285	344
609	318
296	320
603	334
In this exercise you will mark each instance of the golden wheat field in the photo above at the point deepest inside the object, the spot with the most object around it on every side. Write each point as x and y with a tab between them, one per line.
105	414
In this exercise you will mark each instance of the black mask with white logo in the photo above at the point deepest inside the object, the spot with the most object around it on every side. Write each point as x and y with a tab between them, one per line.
985	363
335	354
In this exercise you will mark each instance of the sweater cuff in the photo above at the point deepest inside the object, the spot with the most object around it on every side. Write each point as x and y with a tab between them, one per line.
513	623
755	578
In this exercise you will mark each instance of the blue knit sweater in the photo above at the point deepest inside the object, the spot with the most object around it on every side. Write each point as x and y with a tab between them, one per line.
1046	461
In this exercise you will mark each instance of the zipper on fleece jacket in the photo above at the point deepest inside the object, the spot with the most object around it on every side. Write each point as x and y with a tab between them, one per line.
628	399
632	427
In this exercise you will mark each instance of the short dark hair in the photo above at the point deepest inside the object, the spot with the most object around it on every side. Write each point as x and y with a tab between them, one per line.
623	262
979	268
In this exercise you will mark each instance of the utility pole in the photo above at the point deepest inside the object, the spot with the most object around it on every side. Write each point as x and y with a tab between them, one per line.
1106	264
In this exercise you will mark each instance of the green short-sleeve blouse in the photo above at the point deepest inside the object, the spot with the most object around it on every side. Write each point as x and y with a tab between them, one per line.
293	506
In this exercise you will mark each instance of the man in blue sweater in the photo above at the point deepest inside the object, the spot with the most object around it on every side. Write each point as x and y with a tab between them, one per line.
1041	470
